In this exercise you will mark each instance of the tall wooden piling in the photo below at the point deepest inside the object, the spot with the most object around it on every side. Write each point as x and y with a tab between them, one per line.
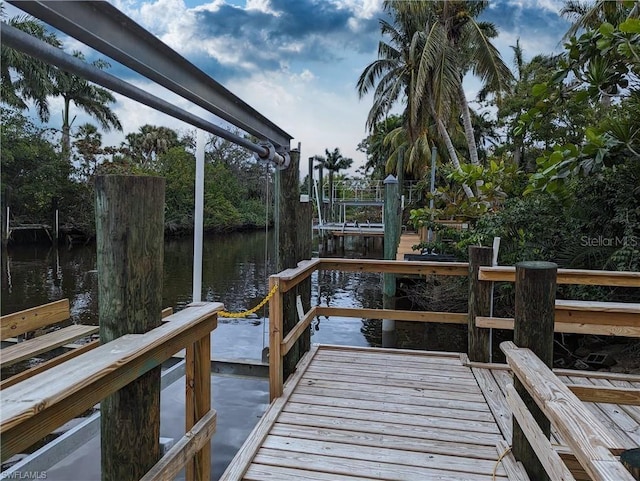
289	254
391	239
130	251
534	322
479	304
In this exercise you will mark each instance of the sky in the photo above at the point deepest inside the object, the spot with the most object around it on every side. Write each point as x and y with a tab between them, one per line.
297	61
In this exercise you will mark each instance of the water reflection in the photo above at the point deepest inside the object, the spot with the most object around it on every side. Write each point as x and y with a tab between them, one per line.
235	270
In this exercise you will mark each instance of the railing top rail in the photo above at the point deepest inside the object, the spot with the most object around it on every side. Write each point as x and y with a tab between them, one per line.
567	276
32	409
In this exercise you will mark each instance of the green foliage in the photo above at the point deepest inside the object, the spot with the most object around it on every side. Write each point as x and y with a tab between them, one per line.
32	172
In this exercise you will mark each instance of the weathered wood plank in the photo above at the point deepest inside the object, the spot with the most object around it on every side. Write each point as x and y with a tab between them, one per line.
433	421
198	404
402	398
12	325
604	394
181	453
433	432
601	411
389	406
375	351
396	390
574	327
289	341
583	432
496	401
371	469
405	443
34	409
276	378
32	347
245	455
385	455
540	443
433	383
426	376
48	364
433	367
567	276
393	314
395	267
262	472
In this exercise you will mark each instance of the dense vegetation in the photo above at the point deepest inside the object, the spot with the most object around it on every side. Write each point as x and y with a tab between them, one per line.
556	174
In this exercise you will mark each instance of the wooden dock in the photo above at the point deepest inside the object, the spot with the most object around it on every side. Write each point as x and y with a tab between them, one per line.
407	241
355	414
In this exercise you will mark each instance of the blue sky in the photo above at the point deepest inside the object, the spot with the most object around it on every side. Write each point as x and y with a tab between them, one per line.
297	61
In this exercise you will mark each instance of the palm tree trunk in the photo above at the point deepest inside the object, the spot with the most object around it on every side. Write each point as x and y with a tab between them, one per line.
469	134
442	130
468	128
66	131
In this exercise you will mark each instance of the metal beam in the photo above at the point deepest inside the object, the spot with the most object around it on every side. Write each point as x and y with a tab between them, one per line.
103	27
22	41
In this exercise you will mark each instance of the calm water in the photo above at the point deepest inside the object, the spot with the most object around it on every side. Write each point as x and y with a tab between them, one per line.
235	271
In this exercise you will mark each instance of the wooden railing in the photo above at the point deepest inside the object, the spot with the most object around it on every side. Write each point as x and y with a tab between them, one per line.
31	410
590	442
614	323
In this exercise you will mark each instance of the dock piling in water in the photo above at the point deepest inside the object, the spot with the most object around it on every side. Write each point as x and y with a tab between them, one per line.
130	251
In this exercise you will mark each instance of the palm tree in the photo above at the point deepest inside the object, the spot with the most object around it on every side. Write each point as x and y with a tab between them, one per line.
333	162
392	79
92	99
22	77
149	142
457	44
591	15
433	45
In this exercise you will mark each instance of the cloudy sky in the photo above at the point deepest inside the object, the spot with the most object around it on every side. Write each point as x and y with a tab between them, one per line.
297	61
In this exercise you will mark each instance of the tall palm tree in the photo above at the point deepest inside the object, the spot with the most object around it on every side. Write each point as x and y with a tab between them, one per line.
23	78
392	78
83	94
457	44
333	162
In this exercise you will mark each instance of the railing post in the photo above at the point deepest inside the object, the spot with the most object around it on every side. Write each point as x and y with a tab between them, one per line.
479	304
391	238
275	340
130	251
198	403
534	322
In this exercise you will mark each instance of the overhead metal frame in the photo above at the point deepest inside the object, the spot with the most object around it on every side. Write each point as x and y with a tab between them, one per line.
22	41
103	27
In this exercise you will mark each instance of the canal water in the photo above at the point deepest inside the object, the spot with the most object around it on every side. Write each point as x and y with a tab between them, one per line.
235	271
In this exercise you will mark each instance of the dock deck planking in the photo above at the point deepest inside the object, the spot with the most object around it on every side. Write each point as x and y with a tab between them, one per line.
355	414
362	413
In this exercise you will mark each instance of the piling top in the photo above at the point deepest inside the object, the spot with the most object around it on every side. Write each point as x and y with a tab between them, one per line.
391	179
537	265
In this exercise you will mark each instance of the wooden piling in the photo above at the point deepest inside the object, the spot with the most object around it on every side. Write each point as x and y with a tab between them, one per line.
130	251
290	255
535	299
304	238
391	239
479	304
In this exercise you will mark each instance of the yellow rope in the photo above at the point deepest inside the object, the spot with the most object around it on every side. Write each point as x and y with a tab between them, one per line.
500	458
250	311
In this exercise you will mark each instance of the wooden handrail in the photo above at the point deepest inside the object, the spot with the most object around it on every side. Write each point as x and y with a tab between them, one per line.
593	445
395	267
568	276
31	410
394	314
